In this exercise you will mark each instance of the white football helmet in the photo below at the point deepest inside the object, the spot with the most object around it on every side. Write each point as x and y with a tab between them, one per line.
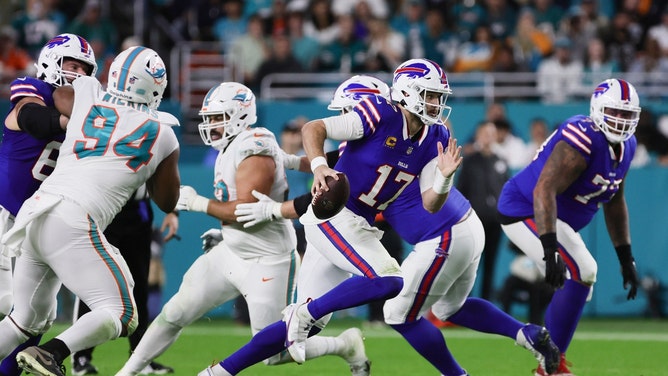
50	62
237	103
412	80
138	75
354	89
617	95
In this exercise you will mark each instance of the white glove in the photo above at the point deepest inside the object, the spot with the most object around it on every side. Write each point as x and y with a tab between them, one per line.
211	238
255	213
191	201
291	161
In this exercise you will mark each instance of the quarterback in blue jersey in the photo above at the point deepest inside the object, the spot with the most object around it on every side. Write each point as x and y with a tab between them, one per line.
579	168
389	145
25	160
452	234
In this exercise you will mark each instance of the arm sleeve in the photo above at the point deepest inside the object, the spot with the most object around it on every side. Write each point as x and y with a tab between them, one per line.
344	127
302	202
427	175
39	121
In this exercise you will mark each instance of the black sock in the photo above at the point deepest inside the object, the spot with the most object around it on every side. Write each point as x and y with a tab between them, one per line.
58	348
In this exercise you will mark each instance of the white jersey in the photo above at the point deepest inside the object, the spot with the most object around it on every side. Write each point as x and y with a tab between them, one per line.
111	148
269	238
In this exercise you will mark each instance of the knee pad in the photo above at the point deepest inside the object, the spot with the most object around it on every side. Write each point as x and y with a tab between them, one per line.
172	313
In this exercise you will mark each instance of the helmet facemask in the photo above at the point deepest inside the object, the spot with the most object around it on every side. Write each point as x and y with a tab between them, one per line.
615	110
236	103
416	82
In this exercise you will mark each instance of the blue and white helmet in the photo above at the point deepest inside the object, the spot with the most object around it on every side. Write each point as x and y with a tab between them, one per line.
354	89
50	61
237	103
412	80
138	75
618	95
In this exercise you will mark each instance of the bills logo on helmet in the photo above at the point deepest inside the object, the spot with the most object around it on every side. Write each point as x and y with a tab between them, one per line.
358	91
58	41
600	89
419	70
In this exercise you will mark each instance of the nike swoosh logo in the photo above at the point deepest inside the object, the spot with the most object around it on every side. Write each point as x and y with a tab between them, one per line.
264	279
584	129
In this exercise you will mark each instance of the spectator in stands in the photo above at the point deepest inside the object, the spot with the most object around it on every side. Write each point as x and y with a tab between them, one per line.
480	179
622	40
547	16
467	15
538	132
280	60
14	61
305	49
651	65
386	47
321	23
508	146
598	65
409	20
504	60
501	16
559	76
660	32
231	25
345	54
37	25
530	44
475	55
249	51
437	42
276	22
92	25
378	8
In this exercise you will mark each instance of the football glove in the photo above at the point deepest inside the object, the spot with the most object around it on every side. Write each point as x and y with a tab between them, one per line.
211	238
191	201
253	213
629	272
555	269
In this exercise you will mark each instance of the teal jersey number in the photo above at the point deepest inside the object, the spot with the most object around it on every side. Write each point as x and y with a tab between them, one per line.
100	125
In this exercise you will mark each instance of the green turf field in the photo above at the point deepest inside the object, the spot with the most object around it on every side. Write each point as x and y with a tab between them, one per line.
600	347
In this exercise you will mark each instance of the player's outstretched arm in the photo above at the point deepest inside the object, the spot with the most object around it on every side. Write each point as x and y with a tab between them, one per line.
441	180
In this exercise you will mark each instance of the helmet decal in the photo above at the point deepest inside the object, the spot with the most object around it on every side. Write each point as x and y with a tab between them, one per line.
123	79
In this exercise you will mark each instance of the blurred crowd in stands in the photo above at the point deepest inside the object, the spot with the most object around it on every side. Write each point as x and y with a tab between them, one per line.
567	43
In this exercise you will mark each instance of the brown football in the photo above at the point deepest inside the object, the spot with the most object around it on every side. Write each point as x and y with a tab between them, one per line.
327	204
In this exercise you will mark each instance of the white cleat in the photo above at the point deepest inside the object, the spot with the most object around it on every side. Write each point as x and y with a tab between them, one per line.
298	323
354	352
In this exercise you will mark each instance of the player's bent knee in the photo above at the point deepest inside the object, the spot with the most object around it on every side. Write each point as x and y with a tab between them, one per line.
173	313
6	302
130	327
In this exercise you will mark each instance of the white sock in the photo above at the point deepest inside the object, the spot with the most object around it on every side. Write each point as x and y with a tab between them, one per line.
318	346
157	339
218	370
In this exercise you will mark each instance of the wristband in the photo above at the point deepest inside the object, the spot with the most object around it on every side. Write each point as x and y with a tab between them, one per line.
291	161
624	254
276	211
199	204
317	162
549	241
442	184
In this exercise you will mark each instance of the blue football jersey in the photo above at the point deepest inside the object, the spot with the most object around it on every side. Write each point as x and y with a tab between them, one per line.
597	184
414	224
24	160
383	163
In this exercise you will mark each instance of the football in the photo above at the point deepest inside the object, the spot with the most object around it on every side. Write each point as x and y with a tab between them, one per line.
327	204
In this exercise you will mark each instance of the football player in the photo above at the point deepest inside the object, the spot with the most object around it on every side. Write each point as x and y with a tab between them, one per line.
389	145
26	160
115	141
452	234
579	168
260	263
